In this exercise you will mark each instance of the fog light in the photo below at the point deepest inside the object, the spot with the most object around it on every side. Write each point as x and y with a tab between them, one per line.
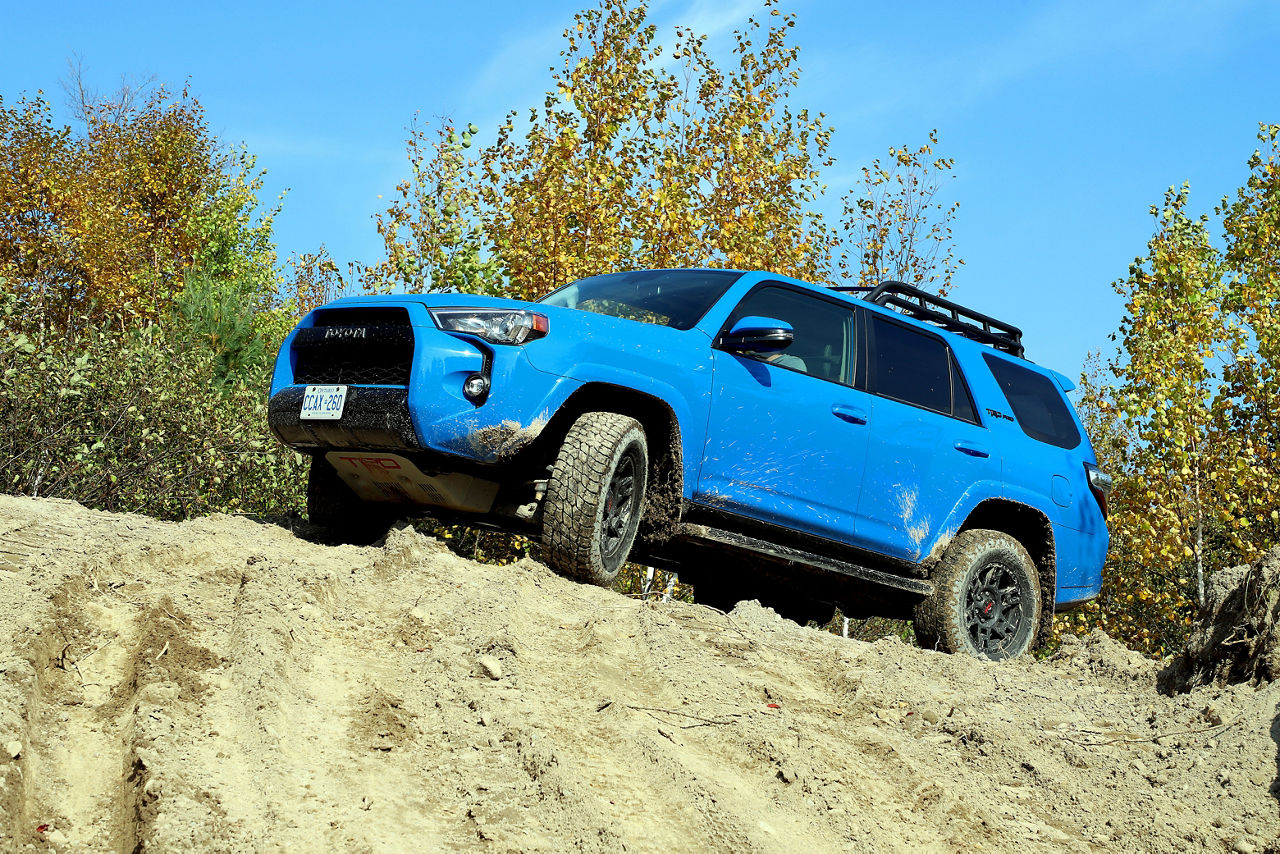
476	388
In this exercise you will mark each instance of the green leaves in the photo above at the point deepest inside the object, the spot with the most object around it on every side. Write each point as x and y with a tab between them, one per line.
135	420
431	230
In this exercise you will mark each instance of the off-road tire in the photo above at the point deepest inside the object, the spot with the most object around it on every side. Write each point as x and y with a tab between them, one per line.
333	506
986	601
595	497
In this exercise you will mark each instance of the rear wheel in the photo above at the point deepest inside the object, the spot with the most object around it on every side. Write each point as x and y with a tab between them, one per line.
986	600
595	497
333	506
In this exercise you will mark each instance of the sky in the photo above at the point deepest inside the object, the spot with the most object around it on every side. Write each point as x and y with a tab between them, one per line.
1067	119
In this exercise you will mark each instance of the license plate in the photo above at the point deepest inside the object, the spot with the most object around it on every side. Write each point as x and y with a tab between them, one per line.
323	402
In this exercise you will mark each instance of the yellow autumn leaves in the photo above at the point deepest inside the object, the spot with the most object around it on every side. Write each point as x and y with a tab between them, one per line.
1190	423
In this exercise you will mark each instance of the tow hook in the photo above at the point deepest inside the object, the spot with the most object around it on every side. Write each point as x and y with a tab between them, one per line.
528	511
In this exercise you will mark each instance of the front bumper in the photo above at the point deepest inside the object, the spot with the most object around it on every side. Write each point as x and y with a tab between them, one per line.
373	418
431	414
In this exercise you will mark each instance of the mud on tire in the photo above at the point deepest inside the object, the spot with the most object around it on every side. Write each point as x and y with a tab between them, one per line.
595	497
987	600
333	506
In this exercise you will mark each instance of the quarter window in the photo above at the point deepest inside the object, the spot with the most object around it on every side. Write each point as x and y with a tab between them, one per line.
1036	402
961	401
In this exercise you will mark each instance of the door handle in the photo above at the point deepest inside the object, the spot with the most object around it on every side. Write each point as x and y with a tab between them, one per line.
972	449
852	414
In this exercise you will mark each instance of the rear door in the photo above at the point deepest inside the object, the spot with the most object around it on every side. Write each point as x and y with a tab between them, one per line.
787	436
926	449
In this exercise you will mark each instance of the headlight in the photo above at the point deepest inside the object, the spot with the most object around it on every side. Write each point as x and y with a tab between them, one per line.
495	325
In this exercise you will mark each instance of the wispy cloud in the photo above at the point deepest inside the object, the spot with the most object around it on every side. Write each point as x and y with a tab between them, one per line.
711	18
1069	31
886	77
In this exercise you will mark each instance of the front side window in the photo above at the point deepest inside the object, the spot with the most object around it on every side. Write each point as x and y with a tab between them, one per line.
675	298
823	331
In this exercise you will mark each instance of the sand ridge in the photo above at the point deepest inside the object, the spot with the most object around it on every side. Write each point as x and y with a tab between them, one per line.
227	685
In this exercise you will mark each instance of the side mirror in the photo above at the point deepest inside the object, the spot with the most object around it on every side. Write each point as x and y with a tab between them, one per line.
757	335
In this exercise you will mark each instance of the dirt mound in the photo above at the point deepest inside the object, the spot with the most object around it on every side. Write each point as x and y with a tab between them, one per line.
1238	637
223	685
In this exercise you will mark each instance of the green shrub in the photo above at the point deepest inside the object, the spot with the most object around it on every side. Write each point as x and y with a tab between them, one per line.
139	420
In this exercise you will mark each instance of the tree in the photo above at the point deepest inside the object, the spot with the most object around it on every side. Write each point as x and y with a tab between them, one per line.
561	203
138	310
431	230
896	225
1170	392
37	197
1189	424
1251	223
109	221
744	167
625	165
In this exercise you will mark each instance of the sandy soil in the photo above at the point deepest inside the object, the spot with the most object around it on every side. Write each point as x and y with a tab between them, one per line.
224	685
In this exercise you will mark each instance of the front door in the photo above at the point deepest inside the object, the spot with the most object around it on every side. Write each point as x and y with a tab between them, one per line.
787	435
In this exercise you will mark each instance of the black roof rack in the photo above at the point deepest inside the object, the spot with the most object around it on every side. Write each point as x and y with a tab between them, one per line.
949	315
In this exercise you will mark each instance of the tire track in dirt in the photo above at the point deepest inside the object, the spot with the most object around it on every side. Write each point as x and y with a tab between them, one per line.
79	781
87	655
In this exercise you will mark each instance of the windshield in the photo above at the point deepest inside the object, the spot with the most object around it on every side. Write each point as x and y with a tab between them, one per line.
675	298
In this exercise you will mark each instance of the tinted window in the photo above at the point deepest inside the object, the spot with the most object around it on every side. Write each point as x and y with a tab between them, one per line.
1036	402
823	331
675	298
910	366
961	401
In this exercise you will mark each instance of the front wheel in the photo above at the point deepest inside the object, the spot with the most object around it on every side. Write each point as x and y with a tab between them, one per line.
986	600
595	497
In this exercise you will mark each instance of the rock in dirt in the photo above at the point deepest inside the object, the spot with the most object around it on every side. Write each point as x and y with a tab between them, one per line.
491	666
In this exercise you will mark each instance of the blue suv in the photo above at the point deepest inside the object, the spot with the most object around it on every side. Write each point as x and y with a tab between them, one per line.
884	451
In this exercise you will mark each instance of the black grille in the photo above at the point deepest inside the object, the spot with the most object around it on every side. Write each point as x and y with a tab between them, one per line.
329	368
355	347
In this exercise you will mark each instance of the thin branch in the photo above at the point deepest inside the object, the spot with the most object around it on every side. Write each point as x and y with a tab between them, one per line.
652	709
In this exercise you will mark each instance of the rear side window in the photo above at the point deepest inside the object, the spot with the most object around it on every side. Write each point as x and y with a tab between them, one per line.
1036	402
909	366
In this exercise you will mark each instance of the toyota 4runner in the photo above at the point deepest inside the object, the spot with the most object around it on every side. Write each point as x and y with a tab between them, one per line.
883	451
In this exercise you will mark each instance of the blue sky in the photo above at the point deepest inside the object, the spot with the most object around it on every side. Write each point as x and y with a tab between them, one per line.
1067	119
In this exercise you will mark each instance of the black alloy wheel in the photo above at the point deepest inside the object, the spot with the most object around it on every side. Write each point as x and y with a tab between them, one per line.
993	610
622	505
986	600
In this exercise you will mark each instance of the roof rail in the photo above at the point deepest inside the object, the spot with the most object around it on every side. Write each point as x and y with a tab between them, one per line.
944	313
